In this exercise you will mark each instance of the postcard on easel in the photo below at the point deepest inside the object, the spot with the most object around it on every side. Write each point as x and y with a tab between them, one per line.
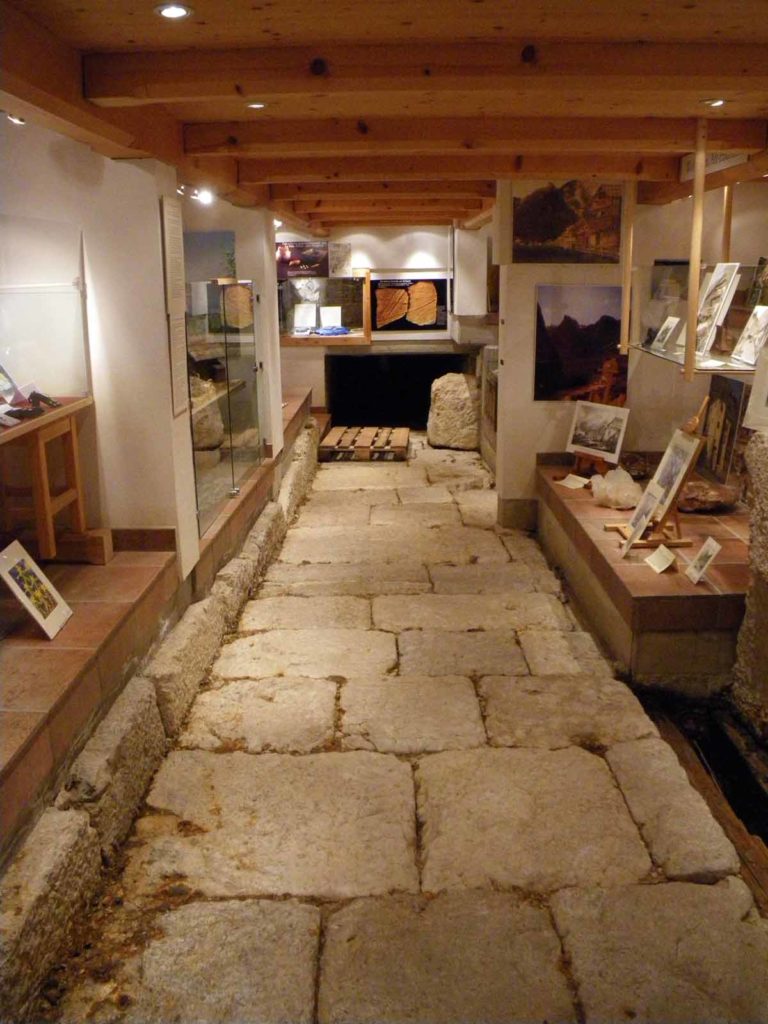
643	514
33	589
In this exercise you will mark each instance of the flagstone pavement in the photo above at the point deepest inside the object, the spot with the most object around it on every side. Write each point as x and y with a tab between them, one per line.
412	791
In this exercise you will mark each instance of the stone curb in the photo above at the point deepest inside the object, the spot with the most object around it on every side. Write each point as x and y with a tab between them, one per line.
110	776
301	471
43	895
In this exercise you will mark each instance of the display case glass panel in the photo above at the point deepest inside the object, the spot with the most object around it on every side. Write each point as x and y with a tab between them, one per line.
661	301
324	307
224	367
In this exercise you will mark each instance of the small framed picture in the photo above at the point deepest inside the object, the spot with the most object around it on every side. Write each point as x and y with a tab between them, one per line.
682	451
666	334
756	416
753	337
33	589
642	516
598	430
703	559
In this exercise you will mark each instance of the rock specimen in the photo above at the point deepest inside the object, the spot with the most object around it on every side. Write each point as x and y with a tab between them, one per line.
454	412
391	305
702	496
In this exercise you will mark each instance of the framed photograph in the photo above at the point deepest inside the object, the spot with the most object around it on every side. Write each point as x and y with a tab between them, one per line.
716	295
301	259
414	303
575	222
643	515
667	334
577	336
670	475
756	415
33	589
725	413
753	337
704	557
598	430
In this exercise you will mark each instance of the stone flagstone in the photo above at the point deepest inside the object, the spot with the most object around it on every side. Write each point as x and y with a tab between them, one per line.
475	611
478	508
325	825
561	654
424	495
493	579
410	714
483	957
305	613
355	477
247	962
675	953
318	653
426	652
345	498
280	715
683	837
560	711
346	578
349	515
536	820
383	544
426	514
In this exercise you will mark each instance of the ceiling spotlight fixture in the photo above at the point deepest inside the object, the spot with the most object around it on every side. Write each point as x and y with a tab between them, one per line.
173	12
181	189
203	195
713	103
279	223
257	106
15	120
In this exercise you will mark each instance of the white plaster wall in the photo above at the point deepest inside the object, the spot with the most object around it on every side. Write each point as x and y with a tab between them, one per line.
137	460
255	259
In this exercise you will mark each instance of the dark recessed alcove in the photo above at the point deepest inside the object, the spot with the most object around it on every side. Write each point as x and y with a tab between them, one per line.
385	390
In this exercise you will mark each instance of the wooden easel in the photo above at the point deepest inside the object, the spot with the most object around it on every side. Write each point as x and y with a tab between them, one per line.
666	530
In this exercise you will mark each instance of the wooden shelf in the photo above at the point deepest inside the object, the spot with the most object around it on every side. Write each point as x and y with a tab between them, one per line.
356	338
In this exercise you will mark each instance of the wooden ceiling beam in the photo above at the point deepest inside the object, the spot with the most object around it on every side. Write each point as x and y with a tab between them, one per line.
307	206
383	189
755	169
703	69
603	166
416	216
381	136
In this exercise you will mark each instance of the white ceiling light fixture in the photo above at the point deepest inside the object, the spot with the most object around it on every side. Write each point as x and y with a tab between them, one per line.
173	12
204	196
256	105
713	103
15	120
277	223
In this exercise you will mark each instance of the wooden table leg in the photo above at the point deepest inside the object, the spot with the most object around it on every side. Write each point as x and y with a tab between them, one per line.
72	474
41	497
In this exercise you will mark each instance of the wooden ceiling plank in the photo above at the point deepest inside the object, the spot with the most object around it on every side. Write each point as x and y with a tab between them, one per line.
604	166
501	134
118	79
378	189
304	206
755	169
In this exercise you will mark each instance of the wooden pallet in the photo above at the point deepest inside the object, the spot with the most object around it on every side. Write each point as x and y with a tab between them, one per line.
364	444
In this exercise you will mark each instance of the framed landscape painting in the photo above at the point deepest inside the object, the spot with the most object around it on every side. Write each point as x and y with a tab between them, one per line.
575	222
598	430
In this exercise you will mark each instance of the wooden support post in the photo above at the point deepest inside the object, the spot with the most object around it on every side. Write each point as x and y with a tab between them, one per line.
630	207
725	254
694	267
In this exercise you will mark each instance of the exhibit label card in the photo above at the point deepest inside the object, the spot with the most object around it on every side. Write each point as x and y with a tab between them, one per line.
573	481
33	589
661	558
703	559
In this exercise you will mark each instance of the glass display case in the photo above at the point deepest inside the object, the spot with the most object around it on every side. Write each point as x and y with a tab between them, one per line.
325	310
729	341
224	366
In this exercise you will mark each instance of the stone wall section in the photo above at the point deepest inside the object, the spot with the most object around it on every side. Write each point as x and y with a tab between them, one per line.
750	690
57	870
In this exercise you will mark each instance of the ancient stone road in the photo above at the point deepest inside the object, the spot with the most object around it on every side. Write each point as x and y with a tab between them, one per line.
413	792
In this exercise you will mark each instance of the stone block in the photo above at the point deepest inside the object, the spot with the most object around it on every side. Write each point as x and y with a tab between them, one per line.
438	652
469	612
232	586
676	952
263	542
114	769
410	715
429	513
454	412
345	476
530	819
326	825
478	508
560	711
346	578
186	654
327	612
683	837
378	544
460	957
44	895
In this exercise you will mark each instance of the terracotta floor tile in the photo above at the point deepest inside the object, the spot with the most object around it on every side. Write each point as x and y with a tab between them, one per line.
133	558
22	781
67	719
35	679
16	728
104	583
730	578
91	624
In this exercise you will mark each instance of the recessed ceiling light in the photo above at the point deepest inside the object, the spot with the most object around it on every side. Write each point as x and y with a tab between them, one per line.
204	196
15	120
174	12
713	103
257	106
